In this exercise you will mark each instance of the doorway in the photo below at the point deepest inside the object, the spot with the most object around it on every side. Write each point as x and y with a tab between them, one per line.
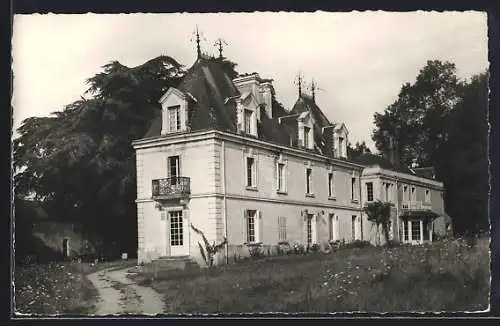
179	245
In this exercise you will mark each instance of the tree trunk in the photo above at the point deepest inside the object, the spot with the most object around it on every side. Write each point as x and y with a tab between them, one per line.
385	230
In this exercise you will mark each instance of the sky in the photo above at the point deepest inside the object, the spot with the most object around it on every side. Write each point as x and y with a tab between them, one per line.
359	60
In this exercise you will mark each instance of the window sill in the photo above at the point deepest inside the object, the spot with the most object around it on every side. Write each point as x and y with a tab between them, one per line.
332	198
253	244
251	188
310	195
281	192
354	201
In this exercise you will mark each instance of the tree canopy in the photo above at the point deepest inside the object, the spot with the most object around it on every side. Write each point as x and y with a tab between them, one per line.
440	121
357	149
80	161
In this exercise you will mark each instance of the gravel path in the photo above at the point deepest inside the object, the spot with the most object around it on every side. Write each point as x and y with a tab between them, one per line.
119	295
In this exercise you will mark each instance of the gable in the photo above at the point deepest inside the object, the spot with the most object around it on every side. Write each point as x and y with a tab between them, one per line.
172	92
342	129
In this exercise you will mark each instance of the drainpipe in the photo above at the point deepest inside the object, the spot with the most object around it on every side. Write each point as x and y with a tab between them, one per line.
223	171
397	211
360	199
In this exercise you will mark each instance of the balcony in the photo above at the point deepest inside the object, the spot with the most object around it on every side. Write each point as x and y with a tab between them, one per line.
415	205
171	188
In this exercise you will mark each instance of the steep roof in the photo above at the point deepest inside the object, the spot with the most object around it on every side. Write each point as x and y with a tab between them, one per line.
208	89
305	103
211	98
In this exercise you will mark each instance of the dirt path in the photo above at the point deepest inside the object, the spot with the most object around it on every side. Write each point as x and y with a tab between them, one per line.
119	295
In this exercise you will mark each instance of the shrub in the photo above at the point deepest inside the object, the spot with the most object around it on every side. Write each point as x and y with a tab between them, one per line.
255	251
210	250
314	248
357	244
298	248
335	245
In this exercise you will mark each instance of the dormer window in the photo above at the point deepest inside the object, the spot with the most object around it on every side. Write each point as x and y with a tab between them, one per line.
307	132
174	118
341	145
248	121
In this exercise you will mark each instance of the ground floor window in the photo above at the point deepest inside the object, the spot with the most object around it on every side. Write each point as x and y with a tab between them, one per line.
251	229
309	229
415	231
282	228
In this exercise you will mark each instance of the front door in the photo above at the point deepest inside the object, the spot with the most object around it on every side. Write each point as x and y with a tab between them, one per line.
179	245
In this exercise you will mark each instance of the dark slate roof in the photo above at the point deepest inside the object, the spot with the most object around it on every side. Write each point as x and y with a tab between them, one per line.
427	172
369	159
210	86
322	139
207	82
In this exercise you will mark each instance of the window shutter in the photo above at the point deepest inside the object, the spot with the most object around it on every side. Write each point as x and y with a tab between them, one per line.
169	162
318	218
245	225
260	227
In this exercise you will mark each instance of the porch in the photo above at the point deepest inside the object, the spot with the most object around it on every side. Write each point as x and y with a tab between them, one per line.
417	223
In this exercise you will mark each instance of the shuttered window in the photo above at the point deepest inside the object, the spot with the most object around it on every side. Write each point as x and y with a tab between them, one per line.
281	228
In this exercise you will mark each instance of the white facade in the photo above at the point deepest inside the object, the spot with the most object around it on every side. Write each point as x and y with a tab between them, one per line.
236	186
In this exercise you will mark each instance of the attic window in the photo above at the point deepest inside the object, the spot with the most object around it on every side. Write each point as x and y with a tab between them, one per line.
248	121
174	118
307	132
341	140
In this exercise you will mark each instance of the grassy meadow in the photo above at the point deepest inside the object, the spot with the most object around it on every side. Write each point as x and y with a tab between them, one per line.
448	275
57	288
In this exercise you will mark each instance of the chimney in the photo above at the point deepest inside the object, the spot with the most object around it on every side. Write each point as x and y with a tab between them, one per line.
267	97
392	149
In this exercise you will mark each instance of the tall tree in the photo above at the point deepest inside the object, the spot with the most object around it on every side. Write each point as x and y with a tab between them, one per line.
467	157
416	118
440	121
80	160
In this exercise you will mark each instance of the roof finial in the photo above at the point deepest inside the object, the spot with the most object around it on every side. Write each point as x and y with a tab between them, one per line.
298	82
314	88
219	44
197	39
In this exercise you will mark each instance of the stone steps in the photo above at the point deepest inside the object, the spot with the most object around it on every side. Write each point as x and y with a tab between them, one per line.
174	263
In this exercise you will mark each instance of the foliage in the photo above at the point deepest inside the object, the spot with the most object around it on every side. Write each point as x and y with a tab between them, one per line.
229	67
442	276
357	150
255	251
440	121
379	212
80	161
314	248
207	250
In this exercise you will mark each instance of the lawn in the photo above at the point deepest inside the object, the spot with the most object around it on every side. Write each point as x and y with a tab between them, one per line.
58	287
443	276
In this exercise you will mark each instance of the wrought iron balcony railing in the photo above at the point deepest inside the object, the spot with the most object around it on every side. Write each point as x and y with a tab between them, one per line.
171	188
415	205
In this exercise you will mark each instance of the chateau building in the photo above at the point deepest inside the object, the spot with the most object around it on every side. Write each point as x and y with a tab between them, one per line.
223	156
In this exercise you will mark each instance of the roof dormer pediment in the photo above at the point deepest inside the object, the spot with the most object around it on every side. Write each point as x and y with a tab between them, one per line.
341	129
172	91
248	100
